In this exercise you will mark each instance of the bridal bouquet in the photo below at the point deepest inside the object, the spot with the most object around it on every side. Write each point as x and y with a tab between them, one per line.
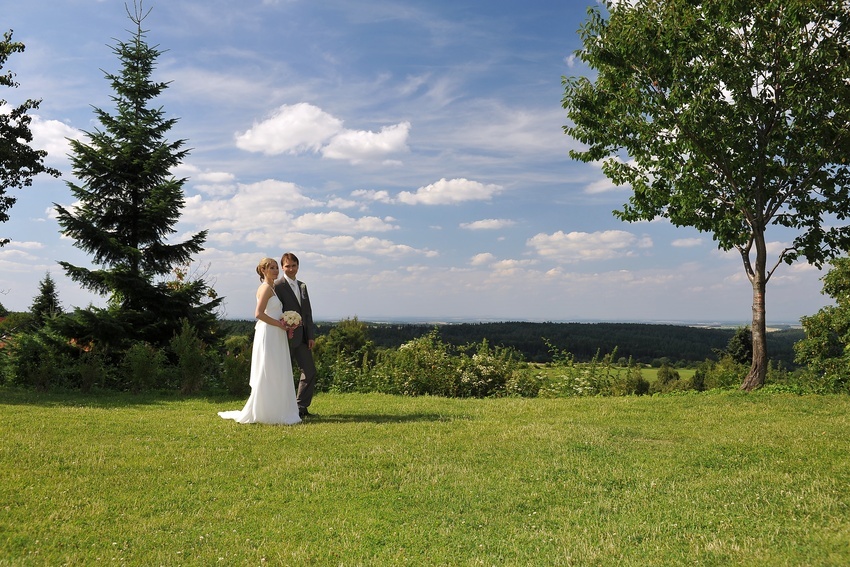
291	319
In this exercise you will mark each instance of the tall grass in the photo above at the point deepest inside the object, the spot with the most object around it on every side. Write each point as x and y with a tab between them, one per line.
709	479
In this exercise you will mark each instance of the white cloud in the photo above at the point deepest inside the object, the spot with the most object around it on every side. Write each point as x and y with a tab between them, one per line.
266	205
487	224
372	245
340	203
372	195
482	259
338	222
291	129
303	127
358	145
686	242
577	246
451	191
215	177
52	137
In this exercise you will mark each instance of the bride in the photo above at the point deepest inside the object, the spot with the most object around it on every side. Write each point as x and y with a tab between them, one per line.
272	398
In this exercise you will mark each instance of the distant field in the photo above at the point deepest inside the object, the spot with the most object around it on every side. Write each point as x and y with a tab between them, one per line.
698	479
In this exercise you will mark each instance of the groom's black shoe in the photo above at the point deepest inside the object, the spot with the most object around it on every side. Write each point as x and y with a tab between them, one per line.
302	413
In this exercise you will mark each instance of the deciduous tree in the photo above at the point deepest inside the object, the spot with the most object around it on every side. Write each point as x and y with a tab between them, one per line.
19	163
730	116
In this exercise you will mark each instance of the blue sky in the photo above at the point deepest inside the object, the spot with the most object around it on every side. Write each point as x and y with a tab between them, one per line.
411	153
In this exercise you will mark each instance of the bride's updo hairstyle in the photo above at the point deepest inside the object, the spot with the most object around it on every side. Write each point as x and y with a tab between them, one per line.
264	265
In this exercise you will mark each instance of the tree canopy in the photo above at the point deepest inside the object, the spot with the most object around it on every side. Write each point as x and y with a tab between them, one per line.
19	162
729	116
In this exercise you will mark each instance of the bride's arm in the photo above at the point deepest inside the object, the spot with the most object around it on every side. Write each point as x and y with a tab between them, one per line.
264	293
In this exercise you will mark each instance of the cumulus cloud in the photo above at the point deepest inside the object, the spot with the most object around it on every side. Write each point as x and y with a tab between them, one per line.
372	245
482	259
338	222
216	177
358	145
686	242
487	224
266	205
372	195
291	129
303	127
449	191
52	137
578	246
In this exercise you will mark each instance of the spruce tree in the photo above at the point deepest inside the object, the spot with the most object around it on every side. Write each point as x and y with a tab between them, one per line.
128	204
46	303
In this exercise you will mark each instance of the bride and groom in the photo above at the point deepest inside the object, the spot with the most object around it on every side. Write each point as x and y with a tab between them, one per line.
273	397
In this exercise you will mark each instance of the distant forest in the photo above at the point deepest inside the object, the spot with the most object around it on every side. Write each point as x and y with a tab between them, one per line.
644	342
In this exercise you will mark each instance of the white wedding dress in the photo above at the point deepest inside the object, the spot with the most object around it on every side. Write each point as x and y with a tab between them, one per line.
272	398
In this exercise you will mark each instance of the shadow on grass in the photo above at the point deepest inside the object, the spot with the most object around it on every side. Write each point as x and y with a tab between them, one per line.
114	400
95	399
379	418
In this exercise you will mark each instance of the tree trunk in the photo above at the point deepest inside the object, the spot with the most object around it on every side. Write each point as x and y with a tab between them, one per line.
758	370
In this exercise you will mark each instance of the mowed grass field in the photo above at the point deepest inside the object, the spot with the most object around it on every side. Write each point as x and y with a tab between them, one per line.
709	479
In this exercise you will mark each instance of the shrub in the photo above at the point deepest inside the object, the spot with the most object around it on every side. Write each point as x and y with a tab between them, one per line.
725	373
668	380
524	383
142	367
594	378
629	383
91	370
191	362
236	365
32	361
422	366
487	372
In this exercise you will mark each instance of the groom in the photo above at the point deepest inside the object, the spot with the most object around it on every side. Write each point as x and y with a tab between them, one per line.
293	295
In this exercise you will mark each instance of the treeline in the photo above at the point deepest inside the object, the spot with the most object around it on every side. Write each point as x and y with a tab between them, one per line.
645	343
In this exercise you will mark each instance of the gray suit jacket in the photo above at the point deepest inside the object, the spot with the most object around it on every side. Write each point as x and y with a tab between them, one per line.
307	330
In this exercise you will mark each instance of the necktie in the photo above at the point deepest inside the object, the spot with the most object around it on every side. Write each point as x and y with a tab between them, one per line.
294	287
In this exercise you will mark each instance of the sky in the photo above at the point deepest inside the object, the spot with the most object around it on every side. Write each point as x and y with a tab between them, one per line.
411	153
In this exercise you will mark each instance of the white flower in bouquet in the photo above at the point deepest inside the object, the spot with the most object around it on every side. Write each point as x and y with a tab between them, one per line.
291	319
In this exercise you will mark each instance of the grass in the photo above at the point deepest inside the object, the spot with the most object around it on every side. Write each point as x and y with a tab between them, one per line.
711	479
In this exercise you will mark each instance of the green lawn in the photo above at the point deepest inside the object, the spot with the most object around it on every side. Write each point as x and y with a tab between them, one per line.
711	479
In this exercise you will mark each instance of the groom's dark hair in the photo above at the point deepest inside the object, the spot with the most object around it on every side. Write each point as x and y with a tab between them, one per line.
291	257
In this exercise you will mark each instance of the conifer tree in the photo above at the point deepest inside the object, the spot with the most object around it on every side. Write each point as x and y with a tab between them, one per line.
128	204
46	303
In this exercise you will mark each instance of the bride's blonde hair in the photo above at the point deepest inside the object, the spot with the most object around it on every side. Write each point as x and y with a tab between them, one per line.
264	265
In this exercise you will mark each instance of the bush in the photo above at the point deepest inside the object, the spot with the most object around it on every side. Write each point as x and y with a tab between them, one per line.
524	383
594	378
668	380
725	373
91	370
142	367
191	361
629	383
32	362
425	366
236	365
